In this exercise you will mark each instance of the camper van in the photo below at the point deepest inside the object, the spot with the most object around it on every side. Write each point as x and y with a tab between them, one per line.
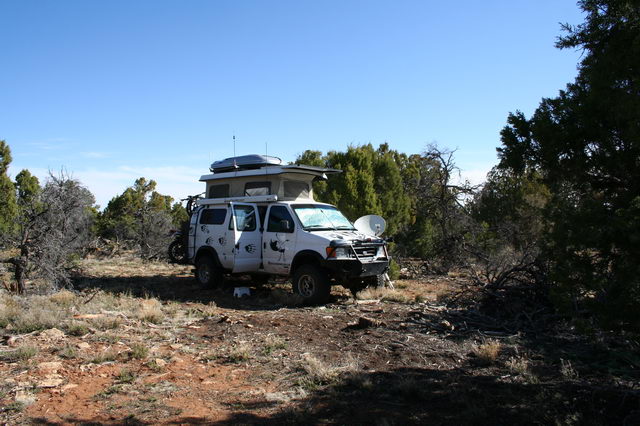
259	217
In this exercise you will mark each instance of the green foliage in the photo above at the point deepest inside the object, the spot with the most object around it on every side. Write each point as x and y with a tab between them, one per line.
8	205
178	214
413	193
371	183
28	187
585	146
142	217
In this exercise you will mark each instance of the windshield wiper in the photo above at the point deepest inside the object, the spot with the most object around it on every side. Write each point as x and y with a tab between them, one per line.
316	228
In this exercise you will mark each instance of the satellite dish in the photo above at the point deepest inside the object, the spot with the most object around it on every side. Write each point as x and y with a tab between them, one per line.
371	225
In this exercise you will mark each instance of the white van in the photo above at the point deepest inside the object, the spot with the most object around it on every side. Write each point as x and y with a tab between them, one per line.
260	218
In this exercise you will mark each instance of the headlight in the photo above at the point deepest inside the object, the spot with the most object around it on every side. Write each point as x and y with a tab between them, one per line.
381	252
338	252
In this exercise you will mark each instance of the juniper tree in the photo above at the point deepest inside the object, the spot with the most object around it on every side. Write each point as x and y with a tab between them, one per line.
8	206
585	143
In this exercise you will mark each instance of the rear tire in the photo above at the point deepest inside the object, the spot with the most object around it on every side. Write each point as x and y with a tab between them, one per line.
207	272
312	284
176	252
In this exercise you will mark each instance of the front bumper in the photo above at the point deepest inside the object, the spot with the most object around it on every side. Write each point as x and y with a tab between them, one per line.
354	268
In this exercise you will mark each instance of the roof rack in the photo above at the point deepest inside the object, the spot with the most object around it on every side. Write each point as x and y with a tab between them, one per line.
248	199
244	162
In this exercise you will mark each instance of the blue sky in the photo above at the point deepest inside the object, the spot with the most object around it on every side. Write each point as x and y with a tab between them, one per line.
114	90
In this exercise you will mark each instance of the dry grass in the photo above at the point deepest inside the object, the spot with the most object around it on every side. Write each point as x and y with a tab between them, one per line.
68	352
318	373
488	352
64	298
125	376
22	353
150	311
27	314
273	343
77	328
385	295
567	370
105	356
139	351
521	367
239	353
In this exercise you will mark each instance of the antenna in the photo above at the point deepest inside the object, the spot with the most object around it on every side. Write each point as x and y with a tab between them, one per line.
235	166
266	155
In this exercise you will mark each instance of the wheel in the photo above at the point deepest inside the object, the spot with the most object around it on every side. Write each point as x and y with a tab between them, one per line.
312	284
207	273
376	281
176	252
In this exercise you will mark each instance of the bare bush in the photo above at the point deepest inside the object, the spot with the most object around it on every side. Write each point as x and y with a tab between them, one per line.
52	226
153	232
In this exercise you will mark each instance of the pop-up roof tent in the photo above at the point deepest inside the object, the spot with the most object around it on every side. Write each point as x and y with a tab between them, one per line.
261	175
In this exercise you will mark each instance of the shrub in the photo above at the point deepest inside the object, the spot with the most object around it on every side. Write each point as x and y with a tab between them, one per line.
22	353
139	351
151	311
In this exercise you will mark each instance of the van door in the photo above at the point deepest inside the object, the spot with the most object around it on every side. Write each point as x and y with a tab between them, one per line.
278	240
247	238
213	227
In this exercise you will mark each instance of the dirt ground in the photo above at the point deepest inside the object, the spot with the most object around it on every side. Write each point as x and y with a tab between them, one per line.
144	344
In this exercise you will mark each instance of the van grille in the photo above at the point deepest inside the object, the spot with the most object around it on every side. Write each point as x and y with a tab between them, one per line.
366	252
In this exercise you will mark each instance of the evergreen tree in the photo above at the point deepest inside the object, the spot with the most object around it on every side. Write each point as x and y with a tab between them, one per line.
585	144
8	205
141	217
395	204
27	186
353	190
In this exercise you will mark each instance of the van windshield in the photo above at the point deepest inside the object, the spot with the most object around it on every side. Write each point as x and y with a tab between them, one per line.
316	217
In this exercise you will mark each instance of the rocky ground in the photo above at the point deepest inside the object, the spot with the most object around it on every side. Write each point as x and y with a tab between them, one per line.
142	343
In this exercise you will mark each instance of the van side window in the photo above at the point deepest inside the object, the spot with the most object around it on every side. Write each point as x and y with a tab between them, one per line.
213	216
257	188
245	218
219	191
295	189
276	215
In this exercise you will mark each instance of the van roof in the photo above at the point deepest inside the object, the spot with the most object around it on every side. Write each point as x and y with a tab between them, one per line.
271	170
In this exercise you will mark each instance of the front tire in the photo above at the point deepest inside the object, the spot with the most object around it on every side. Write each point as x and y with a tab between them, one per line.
312	284
376	281
207	272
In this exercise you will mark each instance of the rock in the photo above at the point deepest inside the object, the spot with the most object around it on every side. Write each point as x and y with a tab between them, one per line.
83	345
51	381
25	398
68	386
11	341
176	346
52	334
160	362
49	367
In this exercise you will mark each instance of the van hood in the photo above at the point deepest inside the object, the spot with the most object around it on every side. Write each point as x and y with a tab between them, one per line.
347	236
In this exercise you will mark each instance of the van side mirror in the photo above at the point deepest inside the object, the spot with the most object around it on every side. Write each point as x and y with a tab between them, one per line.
285	225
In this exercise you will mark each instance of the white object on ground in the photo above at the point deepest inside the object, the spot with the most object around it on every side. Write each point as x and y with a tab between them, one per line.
241	291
